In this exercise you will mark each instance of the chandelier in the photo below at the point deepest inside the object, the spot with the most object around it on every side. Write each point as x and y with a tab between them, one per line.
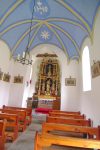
25	57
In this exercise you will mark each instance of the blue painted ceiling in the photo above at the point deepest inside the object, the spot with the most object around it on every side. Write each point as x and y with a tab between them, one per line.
64	23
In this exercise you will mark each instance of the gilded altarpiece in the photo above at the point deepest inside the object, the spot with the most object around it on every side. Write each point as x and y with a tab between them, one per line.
48	84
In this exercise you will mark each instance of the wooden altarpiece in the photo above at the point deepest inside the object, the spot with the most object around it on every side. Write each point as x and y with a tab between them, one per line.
48	84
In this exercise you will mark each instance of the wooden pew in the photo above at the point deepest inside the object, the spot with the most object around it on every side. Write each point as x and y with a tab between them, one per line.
2	134
46	140
21	117
70	121
90	132
68	112
11	129
67	115
28	114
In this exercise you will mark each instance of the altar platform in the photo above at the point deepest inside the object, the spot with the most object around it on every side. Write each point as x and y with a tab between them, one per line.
43	110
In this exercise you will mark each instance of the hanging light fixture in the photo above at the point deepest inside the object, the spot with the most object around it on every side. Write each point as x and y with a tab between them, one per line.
25	58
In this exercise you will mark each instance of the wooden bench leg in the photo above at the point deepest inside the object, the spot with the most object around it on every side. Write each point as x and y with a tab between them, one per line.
36	146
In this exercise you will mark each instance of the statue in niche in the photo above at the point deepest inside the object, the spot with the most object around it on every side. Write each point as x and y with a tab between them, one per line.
53	88
43	88
48	86
49	69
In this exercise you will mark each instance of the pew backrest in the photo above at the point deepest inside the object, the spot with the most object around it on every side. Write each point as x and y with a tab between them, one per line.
28	112
12	124
70	121
68	112
91	132
2	128
2	134
21	117
67	115
46	140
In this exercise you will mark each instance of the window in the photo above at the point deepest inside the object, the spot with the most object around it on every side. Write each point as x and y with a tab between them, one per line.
86	70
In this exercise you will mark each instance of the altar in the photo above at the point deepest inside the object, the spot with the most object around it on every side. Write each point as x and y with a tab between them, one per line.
47	87
46	101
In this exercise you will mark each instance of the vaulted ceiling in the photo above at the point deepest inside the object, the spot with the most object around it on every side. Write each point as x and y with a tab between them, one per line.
64	23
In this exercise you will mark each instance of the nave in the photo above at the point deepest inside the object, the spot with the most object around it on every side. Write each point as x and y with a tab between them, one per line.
52	59
25	141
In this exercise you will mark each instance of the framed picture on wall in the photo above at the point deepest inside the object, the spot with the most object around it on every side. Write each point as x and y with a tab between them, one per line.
18	79
6	77
1	75
70	81
95	69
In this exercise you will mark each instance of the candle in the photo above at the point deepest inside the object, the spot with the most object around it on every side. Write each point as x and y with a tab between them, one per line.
18	57
23	54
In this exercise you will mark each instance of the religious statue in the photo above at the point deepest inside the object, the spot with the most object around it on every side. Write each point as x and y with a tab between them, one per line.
49	70
48	87
43	88
53	88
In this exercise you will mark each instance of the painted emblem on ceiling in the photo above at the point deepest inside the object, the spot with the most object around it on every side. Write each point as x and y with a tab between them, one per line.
45	34
41	9
64	23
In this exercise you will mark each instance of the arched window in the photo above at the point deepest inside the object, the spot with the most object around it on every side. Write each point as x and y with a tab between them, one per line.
86	71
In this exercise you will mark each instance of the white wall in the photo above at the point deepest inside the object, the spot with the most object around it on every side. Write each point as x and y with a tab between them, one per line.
4	65
27	84
90	101
12	93
17	89
70	94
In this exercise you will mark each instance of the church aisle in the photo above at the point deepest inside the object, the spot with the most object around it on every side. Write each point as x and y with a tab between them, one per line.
26	140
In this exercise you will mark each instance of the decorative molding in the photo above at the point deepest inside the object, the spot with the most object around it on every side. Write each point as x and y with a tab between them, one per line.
46	55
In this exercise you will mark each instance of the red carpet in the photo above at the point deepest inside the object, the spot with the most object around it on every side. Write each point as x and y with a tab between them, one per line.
43	110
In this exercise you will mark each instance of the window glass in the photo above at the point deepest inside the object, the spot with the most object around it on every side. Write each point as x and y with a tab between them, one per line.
86	71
